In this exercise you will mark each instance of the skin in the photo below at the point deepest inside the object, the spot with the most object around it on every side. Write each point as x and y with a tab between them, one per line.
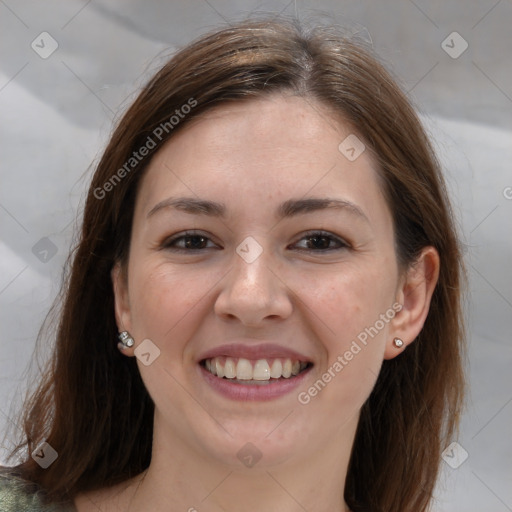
253	156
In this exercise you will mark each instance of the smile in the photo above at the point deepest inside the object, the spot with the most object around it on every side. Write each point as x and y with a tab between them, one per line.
253	379
261	371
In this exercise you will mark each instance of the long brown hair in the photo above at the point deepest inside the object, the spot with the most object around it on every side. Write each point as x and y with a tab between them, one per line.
92	406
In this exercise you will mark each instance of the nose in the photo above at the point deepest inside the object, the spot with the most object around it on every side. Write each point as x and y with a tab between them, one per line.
253	293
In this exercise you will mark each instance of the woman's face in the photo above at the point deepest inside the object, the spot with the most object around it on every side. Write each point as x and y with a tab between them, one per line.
259	248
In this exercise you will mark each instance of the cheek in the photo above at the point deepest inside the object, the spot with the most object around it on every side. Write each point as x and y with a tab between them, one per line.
345	309
163	300
347	301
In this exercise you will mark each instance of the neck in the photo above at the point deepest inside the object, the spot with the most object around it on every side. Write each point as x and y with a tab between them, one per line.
183	477
178	475
264	490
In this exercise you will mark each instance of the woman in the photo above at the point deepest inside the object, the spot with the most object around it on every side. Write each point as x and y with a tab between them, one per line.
268	235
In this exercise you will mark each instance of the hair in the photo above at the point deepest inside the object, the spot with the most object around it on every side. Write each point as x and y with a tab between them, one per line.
91	404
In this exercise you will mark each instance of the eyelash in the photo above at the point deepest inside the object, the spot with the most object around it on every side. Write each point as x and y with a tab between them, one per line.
168	244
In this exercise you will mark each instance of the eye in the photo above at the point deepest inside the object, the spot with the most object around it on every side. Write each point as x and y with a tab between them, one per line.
313	241
320	241
189	241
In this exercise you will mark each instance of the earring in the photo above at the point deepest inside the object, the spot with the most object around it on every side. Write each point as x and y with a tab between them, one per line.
125	340
398	343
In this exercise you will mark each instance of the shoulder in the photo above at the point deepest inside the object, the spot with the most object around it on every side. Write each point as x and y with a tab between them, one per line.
19	495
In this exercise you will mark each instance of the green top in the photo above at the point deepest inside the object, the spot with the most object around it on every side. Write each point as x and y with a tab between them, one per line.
18	495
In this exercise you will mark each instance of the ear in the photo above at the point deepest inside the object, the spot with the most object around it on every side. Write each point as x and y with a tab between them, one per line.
121	302
414	293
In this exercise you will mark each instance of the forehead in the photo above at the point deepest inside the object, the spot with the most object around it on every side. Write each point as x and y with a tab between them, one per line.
249	153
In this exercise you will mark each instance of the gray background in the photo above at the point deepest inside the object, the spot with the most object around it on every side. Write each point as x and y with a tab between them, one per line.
57	114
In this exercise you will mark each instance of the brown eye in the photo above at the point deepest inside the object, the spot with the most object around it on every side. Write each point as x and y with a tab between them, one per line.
195	242
320	241
189	242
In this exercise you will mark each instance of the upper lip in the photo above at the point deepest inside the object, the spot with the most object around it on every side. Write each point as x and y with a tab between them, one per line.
259	351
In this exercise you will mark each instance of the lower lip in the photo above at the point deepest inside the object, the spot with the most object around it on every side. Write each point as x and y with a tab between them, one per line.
244	392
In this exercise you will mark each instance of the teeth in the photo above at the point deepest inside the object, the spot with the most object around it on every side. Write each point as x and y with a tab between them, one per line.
219	369
277	369
229	369
261	370
287	369
243	369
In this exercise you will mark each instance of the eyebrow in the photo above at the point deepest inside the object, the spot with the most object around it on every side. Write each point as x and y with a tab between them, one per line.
289	208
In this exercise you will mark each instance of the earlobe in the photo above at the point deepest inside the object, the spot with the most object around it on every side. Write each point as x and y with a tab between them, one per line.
121	302
415	294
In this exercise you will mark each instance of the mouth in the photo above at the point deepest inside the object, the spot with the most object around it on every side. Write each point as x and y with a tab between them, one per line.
258	372
243	379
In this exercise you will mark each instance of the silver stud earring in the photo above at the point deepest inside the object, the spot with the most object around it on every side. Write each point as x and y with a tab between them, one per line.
125	340
398	343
